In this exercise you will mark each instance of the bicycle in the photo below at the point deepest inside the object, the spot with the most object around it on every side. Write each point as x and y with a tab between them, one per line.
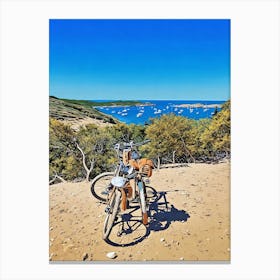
101	184
127	184
122	193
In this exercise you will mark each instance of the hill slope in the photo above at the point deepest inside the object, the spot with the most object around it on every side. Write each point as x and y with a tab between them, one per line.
74	111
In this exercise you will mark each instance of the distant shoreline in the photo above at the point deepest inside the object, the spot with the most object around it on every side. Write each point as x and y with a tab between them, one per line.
113	105
199	105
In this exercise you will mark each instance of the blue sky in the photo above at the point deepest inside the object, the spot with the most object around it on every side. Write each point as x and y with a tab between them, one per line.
140	59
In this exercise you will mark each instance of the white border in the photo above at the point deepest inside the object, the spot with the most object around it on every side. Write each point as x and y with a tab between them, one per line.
255	138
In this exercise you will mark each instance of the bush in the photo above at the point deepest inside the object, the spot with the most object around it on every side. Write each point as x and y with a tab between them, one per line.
88	152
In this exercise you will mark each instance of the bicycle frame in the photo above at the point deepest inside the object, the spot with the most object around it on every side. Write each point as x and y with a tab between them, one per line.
141	191
119	195
139	185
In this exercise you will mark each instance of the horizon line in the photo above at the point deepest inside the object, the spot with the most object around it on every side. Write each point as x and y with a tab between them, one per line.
139	99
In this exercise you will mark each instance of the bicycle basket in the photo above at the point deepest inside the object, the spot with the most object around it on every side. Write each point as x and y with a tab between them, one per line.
146	170
134	164
145	167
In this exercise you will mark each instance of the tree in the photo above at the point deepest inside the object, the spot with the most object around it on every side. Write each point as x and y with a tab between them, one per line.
125	133
78	154
89	151
169	135
95	146
216	138
63	163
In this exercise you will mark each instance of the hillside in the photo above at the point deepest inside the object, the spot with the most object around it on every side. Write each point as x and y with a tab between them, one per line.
74	112
189	219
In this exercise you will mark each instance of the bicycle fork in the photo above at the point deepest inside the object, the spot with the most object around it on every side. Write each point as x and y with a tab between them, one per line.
143	202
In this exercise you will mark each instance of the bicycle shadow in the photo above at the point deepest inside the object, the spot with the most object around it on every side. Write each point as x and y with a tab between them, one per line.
162	215
129	230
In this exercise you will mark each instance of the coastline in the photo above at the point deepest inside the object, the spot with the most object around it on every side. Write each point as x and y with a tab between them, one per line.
199	105
120	105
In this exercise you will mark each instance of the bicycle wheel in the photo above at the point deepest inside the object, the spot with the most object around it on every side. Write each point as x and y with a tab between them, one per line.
112	212
151	193
100	184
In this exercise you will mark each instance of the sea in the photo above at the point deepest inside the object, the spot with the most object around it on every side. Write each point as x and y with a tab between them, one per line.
142	114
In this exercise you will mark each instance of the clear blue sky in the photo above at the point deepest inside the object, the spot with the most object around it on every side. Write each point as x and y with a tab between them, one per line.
140	59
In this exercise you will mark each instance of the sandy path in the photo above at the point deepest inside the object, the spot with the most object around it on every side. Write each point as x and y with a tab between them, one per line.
189	220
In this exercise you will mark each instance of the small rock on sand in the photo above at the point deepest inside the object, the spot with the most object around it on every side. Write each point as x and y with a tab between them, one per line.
162	239
111	255
85	256
51	255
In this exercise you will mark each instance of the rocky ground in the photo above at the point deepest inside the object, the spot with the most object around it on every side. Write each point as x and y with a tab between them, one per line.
189	220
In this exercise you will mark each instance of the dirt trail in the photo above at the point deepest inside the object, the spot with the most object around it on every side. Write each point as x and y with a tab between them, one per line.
189	219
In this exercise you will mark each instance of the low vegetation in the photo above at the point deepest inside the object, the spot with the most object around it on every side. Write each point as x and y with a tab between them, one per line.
65	110
84	153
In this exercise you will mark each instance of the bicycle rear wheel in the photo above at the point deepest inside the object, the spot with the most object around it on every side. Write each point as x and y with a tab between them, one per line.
100	185
113	209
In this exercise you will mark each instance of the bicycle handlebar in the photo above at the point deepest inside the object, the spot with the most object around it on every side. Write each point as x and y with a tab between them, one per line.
131	144
142	143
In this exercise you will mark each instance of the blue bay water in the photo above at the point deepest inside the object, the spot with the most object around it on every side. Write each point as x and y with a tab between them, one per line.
142	114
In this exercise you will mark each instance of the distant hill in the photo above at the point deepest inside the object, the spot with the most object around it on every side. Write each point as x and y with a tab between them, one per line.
76	110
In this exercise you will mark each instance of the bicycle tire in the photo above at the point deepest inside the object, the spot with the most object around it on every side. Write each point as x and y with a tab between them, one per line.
97	190
111	215
150	192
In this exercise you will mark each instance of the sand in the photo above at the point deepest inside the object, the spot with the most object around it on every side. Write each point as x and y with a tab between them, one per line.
190	220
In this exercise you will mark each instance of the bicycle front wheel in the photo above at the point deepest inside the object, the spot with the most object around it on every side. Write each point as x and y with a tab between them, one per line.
112	211
100	185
